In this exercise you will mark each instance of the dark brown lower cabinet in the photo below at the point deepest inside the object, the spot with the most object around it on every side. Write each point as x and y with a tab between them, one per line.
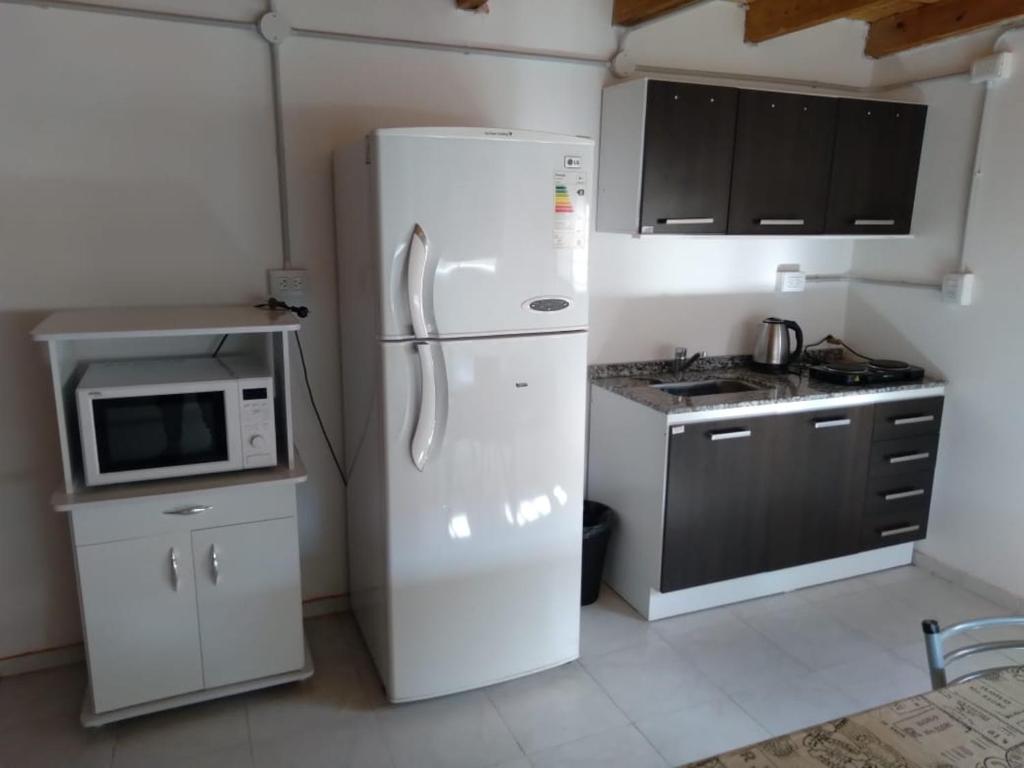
772	492
720	491
824	458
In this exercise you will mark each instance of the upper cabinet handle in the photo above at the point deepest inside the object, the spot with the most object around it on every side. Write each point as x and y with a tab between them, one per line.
734	434
874	222
781	222
902	421
710	220
897	495
196	510
417	278
831	423
903	458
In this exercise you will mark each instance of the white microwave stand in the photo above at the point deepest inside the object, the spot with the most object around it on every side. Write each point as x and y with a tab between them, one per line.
189	587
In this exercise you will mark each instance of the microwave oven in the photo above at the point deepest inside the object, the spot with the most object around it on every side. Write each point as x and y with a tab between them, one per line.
160	418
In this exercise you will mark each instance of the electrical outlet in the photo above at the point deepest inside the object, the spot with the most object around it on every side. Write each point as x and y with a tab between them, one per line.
288	285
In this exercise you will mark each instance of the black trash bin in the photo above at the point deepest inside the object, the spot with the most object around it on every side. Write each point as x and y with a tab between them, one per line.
597	528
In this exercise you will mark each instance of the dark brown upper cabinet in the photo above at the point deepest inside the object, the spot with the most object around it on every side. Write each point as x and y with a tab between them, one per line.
874	170
680	158
782	163
688	147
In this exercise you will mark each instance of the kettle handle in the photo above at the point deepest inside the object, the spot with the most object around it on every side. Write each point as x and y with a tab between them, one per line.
799	339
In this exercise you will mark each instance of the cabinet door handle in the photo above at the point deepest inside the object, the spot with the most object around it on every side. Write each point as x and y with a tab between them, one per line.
897	495
687	221
899	531
903	458
733	434
196	510
175	576
831	423
902	421
215	563
781	222
874	222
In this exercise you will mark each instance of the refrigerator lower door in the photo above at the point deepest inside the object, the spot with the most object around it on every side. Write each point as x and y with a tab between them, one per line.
484	473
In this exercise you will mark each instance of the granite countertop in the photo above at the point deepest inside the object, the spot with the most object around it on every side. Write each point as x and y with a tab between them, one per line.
633	381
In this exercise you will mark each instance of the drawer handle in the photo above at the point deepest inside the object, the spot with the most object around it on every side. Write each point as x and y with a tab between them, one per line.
898	495
687	221
734	434
903	458
874	222
215	563
902	421
900	531
781	222
175	576
196	510
831	423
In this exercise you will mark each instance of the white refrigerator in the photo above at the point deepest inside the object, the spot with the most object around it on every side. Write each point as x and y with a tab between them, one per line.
462	269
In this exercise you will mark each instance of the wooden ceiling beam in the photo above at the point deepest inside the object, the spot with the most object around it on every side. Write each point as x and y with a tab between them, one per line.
629	13
937	21
767	19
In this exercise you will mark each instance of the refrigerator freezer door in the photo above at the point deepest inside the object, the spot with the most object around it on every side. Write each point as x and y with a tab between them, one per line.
481	234
484	540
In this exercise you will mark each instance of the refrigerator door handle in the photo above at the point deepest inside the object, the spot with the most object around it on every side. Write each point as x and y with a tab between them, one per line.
416	275
429	424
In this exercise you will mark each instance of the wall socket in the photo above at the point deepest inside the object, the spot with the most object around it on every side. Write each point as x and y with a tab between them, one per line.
288	285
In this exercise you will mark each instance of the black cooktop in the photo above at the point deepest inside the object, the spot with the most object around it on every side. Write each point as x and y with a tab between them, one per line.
865	372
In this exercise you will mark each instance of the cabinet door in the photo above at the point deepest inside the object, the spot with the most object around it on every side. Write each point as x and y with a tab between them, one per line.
688	147
874	169
720	491
139	607
822	459
782	163
250	605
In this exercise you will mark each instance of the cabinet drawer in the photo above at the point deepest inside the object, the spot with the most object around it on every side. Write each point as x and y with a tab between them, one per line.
894	496
907	418
904	456
121	520
912	526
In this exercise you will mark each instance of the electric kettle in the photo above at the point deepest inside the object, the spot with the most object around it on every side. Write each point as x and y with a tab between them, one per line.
772	349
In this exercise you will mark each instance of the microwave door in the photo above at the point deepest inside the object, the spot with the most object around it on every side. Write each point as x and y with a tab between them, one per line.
146	433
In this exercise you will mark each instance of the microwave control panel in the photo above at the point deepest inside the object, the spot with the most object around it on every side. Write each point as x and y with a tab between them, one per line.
259	437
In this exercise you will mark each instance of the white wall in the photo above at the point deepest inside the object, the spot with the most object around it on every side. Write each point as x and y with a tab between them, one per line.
977	512
136	167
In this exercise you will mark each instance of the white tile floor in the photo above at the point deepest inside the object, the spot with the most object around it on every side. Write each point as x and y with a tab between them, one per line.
641	694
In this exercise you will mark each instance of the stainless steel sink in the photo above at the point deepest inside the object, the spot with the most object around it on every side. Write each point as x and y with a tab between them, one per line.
700	388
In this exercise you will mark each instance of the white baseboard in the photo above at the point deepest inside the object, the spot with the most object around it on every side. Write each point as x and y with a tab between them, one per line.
665	604
37	660
33	661
1013	603
322	606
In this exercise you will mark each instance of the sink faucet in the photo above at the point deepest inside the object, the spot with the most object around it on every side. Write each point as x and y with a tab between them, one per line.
681	362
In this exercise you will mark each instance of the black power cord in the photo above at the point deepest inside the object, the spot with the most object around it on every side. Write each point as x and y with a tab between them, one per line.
301	312
839	343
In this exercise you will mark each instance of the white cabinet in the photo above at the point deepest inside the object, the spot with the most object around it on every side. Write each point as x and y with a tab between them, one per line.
250	608
188	596
141	627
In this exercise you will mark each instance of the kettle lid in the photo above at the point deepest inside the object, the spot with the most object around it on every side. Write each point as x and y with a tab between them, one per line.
773	320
